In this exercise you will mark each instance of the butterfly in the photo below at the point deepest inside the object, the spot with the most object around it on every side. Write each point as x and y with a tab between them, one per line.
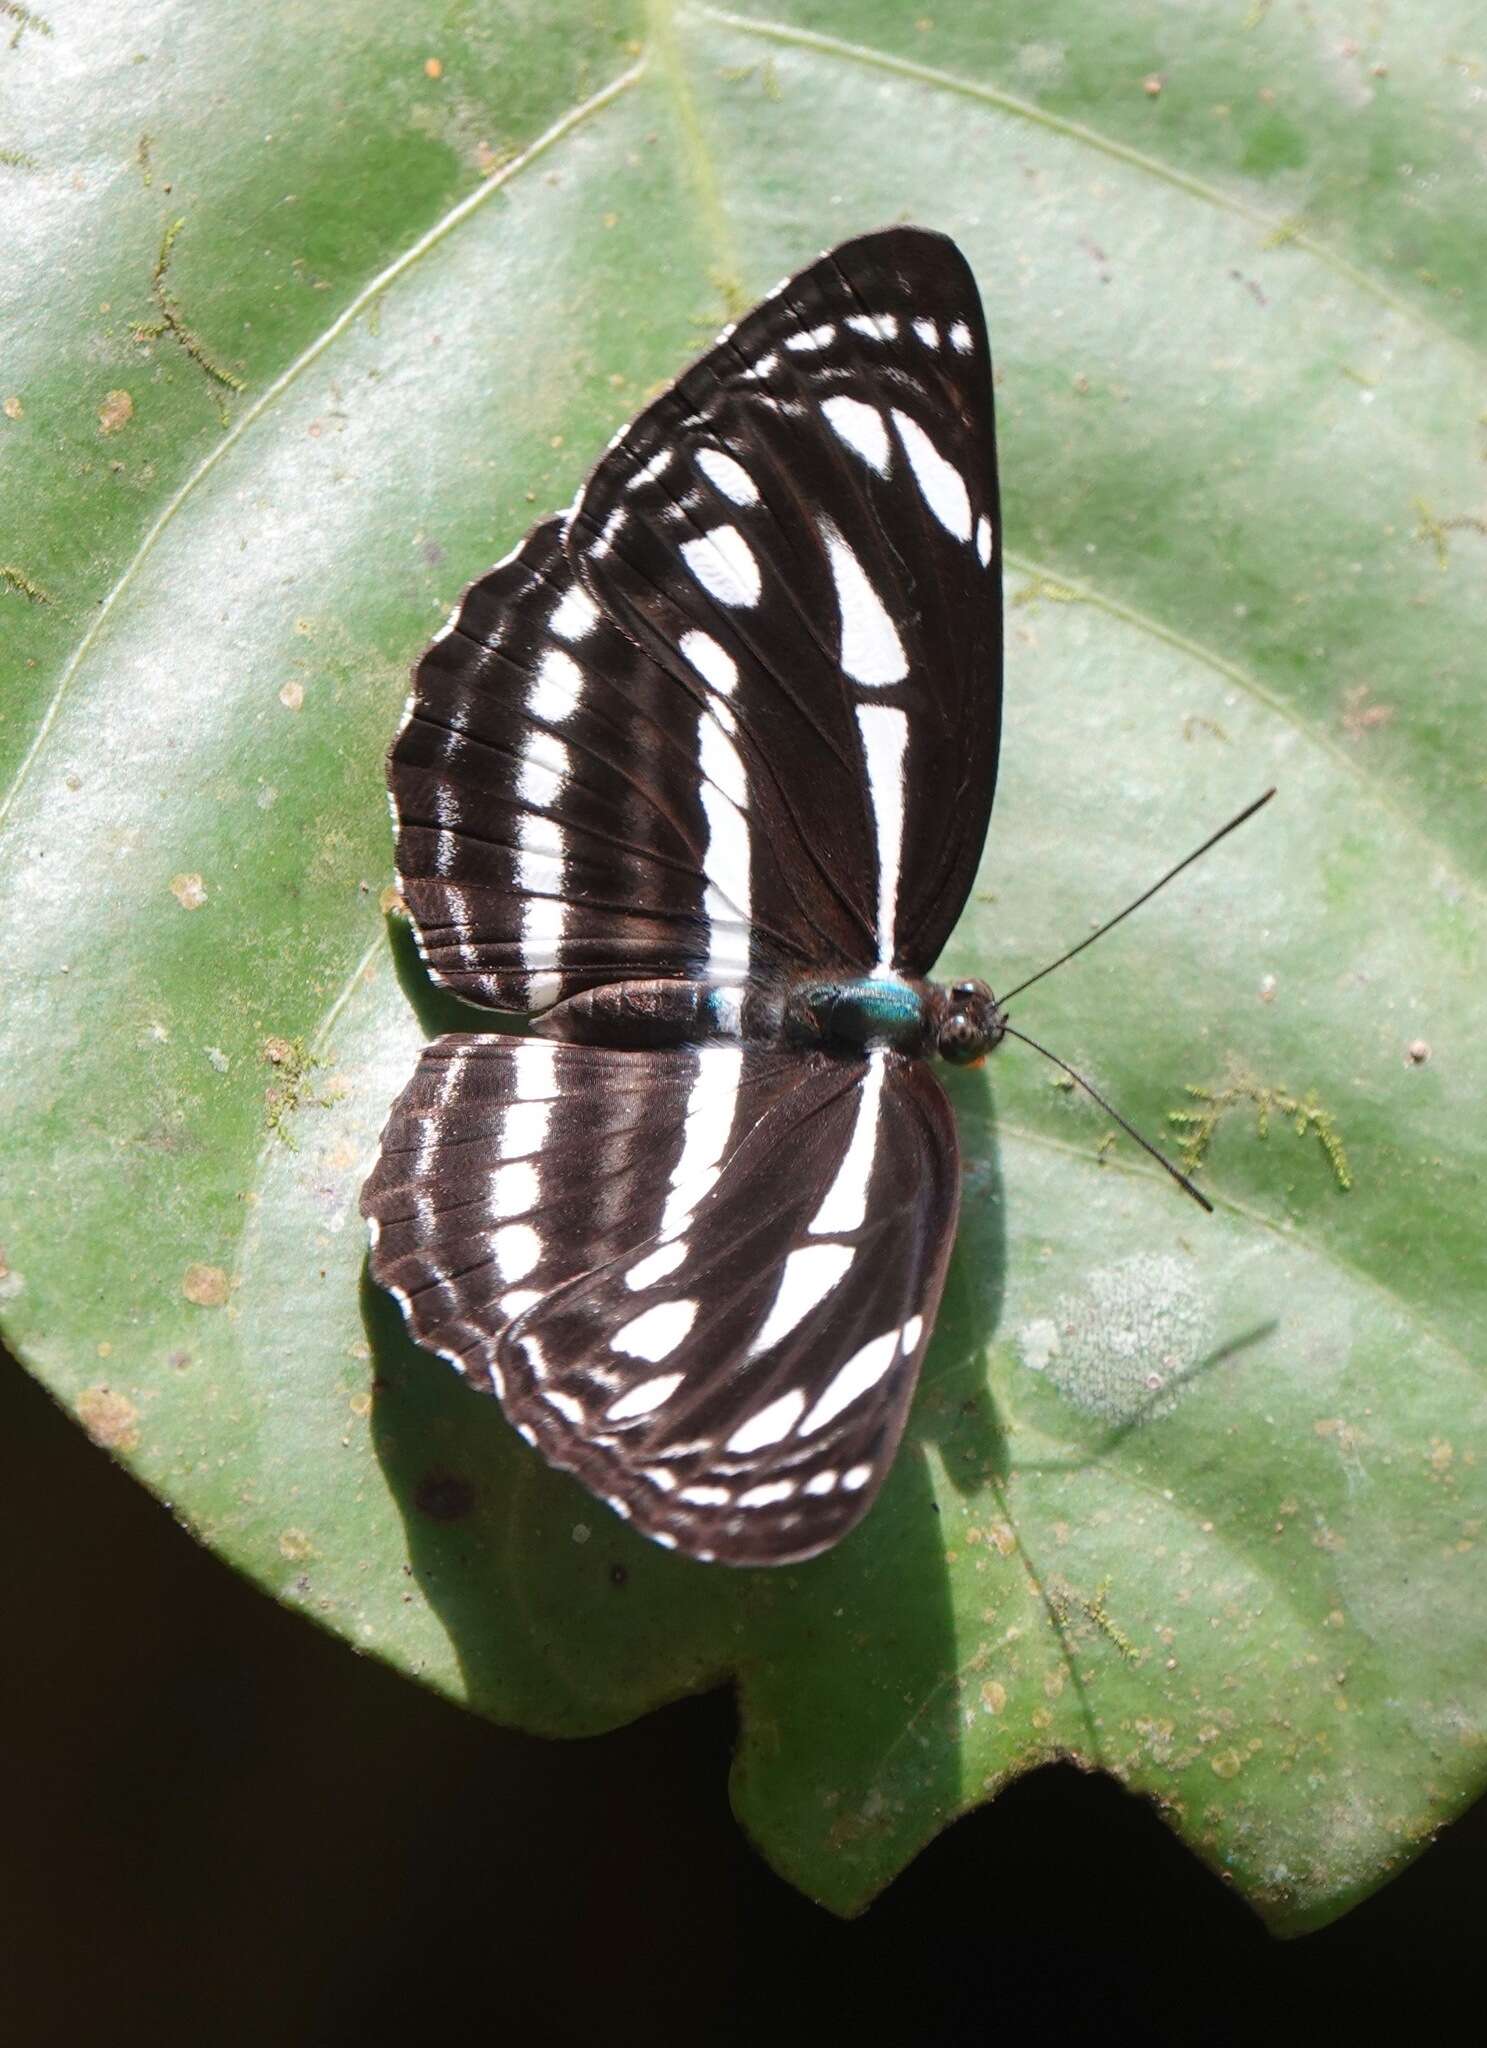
699	776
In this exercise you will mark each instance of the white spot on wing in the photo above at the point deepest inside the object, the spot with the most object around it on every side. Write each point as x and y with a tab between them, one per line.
524	1128
513	1190
574	614
656	1332
723	563
517	1249
807	341
710	1110
646	1272
821	1482
712	662
913	1331
862	428
536	1064
727	476
862	1371
857	1478
983	539
885	739
941	484
651	470
770	1424
544	769
768	1494
557	687
872	652
844	1206
642	1399
960	338
808	1277
705	1496
876	326
720	763
928	333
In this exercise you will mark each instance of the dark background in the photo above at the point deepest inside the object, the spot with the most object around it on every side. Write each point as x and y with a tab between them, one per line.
222	1827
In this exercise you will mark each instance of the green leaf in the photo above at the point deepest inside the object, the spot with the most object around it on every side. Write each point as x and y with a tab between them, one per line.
309	316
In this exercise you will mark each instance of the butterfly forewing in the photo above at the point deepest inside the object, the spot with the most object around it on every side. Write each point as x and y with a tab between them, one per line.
805	527
710	1303
741	714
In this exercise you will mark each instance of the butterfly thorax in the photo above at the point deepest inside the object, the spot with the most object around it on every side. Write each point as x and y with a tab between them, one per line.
847	1013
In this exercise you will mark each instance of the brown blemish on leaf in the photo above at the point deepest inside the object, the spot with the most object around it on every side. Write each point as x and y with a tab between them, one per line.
1360	715
111	1419
993	1696
1194	722
292	696
1438	531
295	1546
116	411
17	580
190	891
432	68
206	1286
390	902
444	1497
13	409
1416	1053
24	18
171	321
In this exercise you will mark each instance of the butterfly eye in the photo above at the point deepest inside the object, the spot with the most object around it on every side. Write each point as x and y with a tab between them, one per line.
961	1040
964	991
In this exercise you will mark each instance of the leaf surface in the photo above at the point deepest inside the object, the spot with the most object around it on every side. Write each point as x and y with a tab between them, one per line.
1195	1501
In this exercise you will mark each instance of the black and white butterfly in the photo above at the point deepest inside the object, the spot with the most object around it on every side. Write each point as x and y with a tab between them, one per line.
702	773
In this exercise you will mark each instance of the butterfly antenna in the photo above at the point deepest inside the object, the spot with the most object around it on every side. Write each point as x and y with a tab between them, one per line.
1131	1132
1110	923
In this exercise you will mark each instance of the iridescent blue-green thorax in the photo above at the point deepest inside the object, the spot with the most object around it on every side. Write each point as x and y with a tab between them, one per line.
874	1010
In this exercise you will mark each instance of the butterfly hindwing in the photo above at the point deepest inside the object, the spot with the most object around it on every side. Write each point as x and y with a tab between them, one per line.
710	1304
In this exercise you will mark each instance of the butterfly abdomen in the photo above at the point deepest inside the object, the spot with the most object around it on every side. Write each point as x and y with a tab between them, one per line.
655	1014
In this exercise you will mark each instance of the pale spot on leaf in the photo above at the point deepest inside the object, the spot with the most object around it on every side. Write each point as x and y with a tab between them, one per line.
207	1286
110	1419
116	411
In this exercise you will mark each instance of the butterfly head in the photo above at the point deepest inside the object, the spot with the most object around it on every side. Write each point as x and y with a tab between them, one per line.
970	1023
